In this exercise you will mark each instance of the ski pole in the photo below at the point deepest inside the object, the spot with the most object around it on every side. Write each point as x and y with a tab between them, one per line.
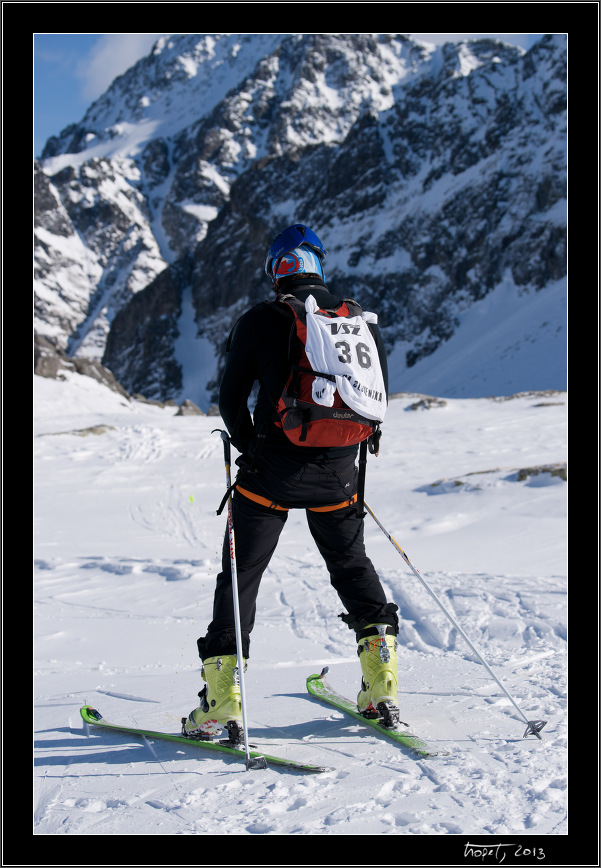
533	726
254	762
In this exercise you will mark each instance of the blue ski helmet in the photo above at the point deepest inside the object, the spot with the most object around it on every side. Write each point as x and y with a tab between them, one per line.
296	250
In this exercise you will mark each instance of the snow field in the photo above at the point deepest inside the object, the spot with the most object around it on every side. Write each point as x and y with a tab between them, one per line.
127	546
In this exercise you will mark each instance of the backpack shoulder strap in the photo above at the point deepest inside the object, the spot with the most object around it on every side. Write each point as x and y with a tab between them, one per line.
287	304
354	308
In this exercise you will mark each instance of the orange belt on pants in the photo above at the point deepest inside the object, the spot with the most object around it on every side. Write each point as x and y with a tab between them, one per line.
266	502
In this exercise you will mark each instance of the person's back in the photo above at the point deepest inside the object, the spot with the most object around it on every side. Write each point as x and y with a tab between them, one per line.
259	350
276	475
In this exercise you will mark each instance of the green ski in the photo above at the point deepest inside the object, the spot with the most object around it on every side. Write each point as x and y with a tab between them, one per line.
92	716
318	686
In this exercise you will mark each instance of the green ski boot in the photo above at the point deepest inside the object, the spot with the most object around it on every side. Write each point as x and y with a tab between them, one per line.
220	702
379	684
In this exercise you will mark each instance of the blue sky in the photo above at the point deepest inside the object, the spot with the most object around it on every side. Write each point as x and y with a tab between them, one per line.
71	70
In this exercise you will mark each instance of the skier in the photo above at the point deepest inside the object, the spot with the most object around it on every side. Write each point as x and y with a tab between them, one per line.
276	475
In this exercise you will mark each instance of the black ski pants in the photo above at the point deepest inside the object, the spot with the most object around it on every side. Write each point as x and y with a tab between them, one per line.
338	535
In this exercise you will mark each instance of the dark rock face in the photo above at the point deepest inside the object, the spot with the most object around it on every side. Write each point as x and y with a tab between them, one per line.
51	362
140	344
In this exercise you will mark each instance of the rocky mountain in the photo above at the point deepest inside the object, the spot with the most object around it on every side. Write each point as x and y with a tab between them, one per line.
436	178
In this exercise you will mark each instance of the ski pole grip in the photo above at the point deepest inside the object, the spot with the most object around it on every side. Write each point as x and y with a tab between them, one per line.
227	453
226	447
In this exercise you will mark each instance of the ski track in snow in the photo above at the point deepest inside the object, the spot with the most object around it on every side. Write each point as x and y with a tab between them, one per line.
119	605
394	793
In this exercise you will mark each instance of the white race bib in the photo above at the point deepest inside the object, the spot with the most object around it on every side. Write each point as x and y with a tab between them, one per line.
345	348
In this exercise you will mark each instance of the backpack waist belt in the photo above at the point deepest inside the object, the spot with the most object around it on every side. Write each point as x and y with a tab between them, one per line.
266	502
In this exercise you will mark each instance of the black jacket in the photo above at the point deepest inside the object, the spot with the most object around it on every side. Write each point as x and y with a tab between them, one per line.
258	351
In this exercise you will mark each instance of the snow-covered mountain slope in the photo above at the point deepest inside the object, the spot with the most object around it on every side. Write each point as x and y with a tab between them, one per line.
503	344
435	176
184	76
127	546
